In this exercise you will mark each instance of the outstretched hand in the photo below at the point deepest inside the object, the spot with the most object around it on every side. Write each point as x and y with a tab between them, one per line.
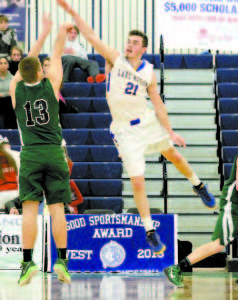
178	140
65	5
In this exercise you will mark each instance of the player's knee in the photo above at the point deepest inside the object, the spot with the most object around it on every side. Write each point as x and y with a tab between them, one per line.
175	157
138	183
218	247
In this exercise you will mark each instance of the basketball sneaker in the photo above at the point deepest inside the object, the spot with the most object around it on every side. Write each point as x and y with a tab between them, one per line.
61	269
207	198
174	275
155	243
29	269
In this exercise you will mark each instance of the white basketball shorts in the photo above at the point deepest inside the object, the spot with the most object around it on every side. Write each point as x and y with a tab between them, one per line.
135	141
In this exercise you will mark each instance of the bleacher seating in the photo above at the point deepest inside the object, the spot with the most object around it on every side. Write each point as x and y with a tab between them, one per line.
229	153
227	75
228	121
228	105
227	170
226	61
227	90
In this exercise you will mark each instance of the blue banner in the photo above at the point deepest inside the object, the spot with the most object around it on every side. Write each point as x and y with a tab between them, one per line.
16	13
112	243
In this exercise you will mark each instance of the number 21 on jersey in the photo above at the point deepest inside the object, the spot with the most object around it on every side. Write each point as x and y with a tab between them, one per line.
131	89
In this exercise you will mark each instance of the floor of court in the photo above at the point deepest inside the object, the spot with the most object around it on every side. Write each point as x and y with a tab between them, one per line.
201	284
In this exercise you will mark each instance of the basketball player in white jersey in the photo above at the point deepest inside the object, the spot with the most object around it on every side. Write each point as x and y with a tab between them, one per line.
137	129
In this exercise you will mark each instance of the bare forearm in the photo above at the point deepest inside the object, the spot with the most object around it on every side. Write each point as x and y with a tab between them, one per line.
164	118
36	48
60	42
83	27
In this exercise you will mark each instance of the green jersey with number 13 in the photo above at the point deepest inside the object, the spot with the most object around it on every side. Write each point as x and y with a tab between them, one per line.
37	112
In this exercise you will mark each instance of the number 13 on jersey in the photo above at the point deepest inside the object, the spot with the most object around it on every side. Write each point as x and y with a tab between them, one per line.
131	88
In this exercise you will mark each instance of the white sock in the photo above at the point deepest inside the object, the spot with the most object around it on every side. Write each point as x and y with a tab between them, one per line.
148	223
194	179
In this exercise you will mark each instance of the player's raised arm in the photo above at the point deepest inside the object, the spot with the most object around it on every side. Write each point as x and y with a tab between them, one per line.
109	53
161	111
46	28
55	72
34	51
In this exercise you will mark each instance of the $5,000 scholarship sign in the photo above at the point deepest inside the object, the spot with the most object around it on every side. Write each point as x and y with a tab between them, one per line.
115	243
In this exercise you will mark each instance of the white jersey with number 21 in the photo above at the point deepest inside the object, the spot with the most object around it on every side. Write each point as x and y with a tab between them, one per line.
127	90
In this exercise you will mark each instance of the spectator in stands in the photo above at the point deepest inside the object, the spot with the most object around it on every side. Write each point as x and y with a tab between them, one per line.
7	115
15	58
9	166
5	77
75	56
64	107
8	37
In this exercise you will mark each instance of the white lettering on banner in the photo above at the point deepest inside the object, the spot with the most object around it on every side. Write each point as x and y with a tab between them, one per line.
76	223
118	219
112	233
79	254
148	253
11	221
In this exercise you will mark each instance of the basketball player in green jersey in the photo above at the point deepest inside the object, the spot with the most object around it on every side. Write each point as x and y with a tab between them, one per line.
43	167
226	229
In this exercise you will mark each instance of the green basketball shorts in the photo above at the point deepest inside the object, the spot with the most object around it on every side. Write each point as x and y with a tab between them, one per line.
44	171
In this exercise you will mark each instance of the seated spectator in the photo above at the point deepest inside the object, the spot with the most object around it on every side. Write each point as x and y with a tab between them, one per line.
8	37
75	56
15	58
7	114
64	107
9	166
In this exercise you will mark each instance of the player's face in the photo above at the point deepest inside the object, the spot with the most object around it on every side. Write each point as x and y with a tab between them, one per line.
16	55
3	25
72	35
134	47
3	65
45	67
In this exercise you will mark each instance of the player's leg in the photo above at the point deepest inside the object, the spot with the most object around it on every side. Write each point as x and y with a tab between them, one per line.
29	188
57	192
29	233
174	273
184	168
225	230
59	231
132	149
142	204
68	64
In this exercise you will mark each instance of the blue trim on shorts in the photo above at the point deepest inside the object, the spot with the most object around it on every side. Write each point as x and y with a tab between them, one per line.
135	122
